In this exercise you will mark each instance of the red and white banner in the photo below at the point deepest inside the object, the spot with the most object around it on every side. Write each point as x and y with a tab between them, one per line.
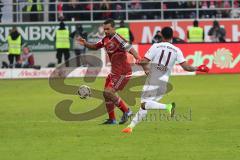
69	73
219	57
144	31
47	72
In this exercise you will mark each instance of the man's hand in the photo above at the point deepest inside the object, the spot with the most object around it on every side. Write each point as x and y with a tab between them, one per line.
202	68
144	62
138	62
81	40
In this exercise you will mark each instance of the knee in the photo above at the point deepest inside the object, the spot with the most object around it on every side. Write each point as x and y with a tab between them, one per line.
106	94
143	106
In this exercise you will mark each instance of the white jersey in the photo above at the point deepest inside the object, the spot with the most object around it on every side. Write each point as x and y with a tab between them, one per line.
163	57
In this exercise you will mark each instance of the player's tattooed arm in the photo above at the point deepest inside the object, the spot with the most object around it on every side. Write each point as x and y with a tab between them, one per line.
84	42
188	67
134	53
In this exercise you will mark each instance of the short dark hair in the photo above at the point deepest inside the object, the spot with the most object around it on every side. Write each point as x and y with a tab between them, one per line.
62	25
167	33
109	21
195	23
215	24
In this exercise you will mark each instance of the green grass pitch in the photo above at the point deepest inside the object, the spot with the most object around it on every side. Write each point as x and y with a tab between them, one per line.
30	130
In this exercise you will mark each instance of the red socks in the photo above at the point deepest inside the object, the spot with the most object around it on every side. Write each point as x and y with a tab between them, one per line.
110	110
121	105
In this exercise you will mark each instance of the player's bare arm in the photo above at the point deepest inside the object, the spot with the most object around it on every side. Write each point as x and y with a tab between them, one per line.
145	65
134	53
83	41
189	68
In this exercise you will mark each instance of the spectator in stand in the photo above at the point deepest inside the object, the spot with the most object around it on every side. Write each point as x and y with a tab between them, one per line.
35	6
170	14
191	14
227	9
135	5
119	7
105	6
60	9
181	14
235	13
71	9
212	6
208	9
26	59
217	33
88	7
52	10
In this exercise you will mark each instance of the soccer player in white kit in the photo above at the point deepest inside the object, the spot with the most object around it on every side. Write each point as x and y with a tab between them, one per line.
162	57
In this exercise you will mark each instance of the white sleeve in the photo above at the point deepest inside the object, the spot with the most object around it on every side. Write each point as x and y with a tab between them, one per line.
180	57
124	44
150	53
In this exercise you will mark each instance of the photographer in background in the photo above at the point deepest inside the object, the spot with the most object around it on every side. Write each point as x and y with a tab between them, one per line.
157	38
217	33
78	48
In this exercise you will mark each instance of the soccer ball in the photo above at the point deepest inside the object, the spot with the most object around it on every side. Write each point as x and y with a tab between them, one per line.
84	91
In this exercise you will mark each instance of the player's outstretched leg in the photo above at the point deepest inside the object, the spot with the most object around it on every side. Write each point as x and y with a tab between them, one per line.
155	105
143	112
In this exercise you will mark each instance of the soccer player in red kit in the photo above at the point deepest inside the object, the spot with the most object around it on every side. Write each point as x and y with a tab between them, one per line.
116	48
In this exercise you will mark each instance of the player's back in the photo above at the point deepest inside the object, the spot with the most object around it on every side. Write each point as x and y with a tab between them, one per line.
163	56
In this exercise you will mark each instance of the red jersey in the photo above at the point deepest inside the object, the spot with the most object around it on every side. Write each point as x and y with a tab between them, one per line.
117	48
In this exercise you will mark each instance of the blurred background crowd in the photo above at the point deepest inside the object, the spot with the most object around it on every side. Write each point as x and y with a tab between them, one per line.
85	10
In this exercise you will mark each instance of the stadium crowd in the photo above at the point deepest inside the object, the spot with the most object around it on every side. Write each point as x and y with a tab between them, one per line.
76	10
139	9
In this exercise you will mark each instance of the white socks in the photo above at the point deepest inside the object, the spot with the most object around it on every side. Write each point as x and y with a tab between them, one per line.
141	114
154	105
138	117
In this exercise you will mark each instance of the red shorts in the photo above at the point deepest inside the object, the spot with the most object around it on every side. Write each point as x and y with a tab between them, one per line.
117	82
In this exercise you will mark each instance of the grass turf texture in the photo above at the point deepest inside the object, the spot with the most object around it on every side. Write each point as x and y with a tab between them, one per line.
29	128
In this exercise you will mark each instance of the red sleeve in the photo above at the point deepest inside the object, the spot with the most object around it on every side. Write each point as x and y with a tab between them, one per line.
31	60
99	44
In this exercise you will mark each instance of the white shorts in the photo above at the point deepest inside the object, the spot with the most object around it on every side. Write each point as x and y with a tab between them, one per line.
153	92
